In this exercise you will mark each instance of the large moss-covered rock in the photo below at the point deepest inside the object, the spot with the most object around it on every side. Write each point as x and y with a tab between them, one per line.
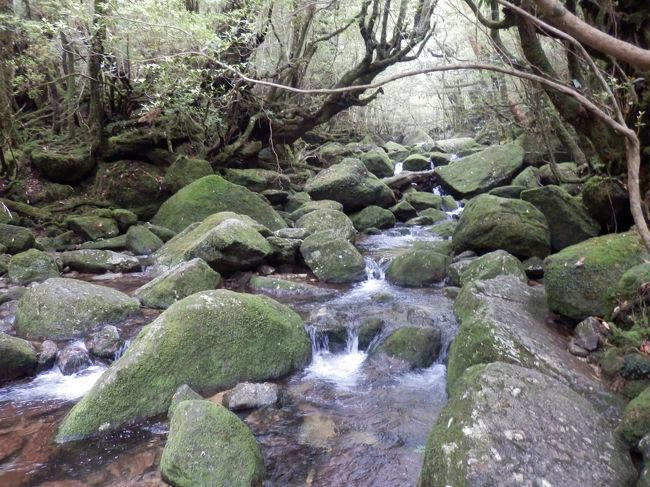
417	162
177	283
627	301
503	320
493	264
580	278
210	341
419	347
352	185
333	259
527	178
310	206
635	423
333	221
142	241
257	180
90	260
15	239
185	170
131	185
456	145
281	287
373	217
507	425
418	267
63	166
93	227
32	266
565	172
226	241
18	358
66	308
490	223
378	163
483	171
422	200
404	211
208	446
397	152
567	218
213	194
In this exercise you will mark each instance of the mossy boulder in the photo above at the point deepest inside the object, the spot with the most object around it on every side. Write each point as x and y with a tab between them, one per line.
310	206
416	162
627	303
491	223
63	166
456	145
177	283
16	239
93	227
607	201
433	215
509	425
378	163
351	184
257	180
635	423
209	446
419	267
333	259
513	192
142	241
104	343
528	178
421	200
580	278
483	171
567	218
333	221
185	170
210	341
213	194
497	263
373	217
183	393
18	358
31	266
132	185
91	260
564	172
282	287
419	347
445	229
62	308
403	211
397	152
226	241
503	320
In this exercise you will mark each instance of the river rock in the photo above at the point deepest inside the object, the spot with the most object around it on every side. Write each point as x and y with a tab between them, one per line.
62	308
456	145
331	220
444	229
587	334
104	343
209	446
115	243
89	260
282	287
508	425
567	218
352	185
185	170
210	341
421	200
418	267
72	359
503	320
580	279
310	206
481	172
226	241
285	250
378	163
248	395
213	194
373	217
397	152
432	216
46	356
491	223
142	241
497	263
418	347
31	266
183	393
564	172
18	358
93	227
332	259
528	178
69	167
257	180
177	283
125	219
15	239
404	211
417	162
163	233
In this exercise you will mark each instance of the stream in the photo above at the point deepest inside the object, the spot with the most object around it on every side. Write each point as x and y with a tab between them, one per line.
351	417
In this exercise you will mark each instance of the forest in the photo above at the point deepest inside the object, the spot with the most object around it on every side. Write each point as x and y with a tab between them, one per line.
316	242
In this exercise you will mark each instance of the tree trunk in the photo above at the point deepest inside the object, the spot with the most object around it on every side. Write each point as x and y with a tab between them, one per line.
96	110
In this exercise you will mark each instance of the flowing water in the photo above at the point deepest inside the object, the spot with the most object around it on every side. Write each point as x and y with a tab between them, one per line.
351	418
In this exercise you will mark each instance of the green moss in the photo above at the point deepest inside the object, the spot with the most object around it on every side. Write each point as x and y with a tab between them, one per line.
378	163
310	206
210	341
445	229
635	423
332	259
17	358
213	194
16	239
93	227
328	220
417	162
418	267
32	266
490	265
257	180
421	200
67	166
142	241
580	279
419	347
185	170
373	217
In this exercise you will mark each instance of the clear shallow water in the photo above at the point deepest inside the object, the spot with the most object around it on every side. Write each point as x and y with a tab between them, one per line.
349	418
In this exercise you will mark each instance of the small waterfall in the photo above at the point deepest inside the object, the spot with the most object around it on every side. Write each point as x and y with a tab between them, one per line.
120	351
399	167
319	341
374	270
454	157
